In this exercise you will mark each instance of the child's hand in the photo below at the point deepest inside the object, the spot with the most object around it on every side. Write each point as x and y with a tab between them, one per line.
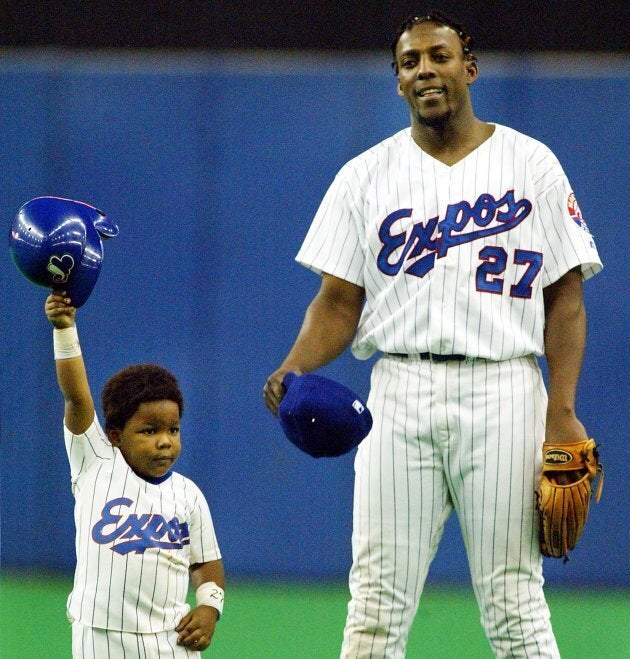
59	310
197	628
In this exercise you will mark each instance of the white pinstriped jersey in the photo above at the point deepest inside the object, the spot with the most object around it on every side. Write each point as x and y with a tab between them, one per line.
135	539
453	259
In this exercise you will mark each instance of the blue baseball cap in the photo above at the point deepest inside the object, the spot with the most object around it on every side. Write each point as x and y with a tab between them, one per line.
322	417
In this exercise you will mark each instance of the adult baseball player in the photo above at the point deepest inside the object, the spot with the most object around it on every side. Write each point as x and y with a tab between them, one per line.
457	250
143	531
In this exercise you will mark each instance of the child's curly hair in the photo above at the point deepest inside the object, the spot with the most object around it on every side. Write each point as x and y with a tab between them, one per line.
125	391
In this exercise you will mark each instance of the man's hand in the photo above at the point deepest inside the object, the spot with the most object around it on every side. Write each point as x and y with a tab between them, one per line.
274	391
563	427
59	310
197	628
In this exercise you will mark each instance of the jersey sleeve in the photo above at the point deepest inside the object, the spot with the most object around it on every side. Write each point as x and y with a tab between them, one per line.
85	449
334	242
568	242
203	540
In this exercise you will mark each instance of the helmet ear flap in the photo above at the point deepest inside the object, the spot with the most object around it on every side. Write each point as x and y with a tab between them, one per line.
105	227
56	243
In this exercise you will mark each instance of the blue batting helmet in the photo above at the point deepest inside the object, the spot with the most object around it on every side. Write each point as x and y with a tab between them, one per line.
57	243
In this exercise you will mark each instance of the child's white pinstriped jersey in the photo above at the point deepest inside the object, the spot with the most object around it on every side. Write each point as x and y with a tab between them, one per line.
135	539
453	259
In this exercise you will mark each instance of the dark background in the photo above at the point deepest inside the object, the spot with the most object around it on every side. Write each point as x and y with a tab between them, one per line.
519	25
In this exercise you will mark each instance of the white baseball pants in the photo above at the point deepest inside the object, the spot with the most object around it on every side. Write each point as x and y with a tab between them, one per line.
462	435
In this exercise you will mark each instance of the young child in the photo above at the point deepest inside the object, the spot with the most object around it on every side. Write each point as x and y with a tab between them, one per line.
142	530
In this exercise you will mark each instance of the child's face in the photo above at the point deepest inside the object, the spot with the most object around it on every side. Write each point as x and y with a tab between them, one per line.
150	441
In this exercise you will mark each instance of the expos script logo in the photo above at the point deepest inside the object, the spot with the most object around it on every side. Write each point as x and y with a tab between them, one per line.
137	533
435	237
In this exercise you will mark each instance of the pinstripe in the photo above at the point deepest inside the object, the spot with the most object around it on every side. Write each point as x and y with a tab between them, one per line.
384	603
154	576
84	543
95	643
472	478
133	594
523	540
109	568
143	569
401	313
402	493
450	435
402	562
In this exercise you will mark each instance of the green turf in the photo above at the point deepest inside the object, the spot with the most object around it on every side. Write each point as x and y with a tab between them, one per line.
297	622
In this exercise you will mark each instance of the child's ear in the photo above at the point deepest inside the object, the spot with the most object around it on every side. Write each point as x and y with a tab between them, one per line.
113	434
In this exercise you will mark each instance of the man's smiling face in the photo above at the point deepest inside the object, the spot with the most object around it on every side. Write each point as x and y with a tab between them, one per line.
433	73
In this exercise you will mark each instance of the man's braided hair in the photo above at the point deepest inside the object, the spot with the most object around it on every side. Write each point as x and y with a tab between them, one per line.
434	16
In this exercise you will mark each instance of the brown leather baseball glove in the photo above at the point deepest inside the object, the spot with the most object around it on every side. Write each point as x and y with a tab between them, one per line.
564	494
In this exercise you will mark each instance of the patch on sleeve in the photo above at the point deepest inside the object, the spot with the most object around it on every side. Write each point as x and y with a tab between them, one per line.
575	213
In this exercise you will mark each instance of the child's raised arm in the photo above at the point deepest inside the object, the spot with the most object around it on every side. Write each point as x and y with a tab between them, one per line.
71	374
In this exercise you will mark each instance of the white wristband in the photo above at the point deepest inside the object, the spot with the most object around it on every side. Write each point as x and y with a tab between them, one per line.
209	594
66	343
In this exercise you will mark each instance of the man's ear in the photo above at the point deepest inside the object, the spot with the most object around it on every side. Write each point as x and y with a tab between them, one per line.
399	90
472	72
113	434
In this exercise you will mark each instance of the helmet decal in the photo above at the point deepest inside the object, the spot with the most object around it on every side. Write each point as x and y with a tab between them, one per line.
60	267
